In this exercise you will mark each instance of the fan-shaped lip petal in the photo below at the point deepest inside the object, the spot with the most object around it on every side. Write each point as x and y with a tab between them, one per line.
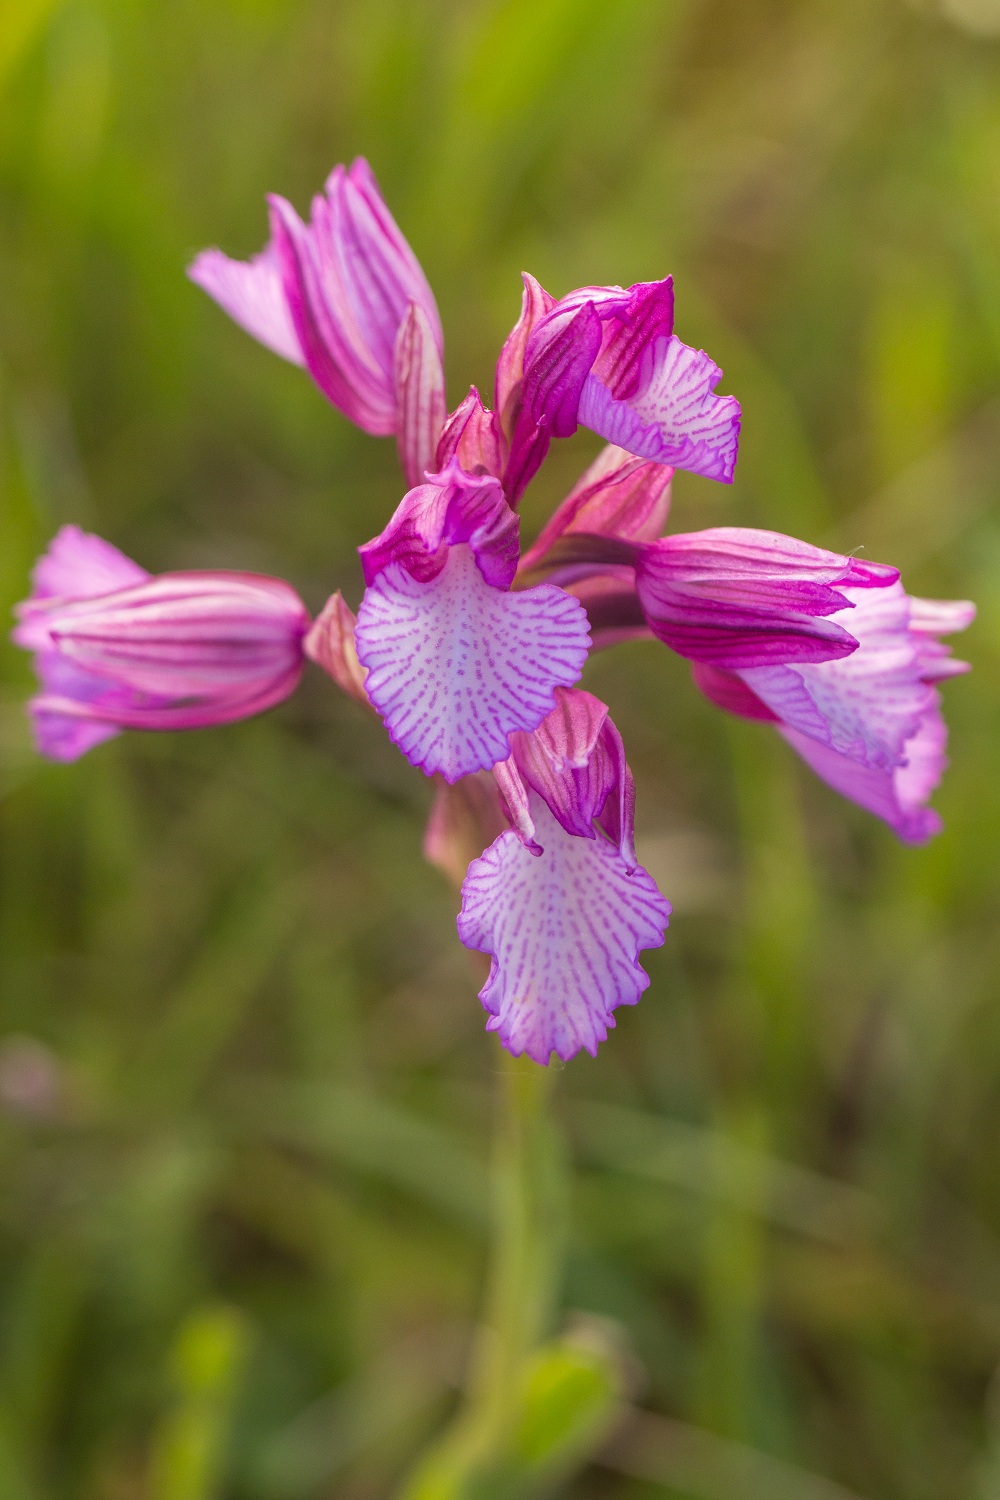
456	665
672	415
935	617
450	509
251	292
870	723
564	930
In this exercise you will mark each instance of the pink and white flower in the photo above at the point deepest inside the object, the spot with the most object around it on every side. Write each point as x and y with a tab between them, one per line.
456	662
733	596
607	358
118	649
467	650
869	724
559	901
345	296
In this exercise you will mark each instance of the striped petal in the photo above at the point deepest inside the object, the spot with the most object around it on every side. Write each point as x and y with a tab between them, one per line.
455	665
564	930
418	377
674	417
866	705
251	292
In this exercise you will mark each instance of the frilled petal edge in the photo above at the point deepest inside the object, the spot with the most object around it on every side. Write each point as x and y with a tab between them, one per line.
674	417
455	666
564	930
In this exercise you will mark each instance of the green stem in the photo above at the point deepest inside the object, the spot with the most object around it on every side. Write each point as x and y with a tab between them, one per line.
529	1208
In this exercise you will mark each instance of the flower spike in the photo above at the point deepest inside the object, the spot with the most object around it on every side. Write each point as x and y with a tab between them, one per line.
117	649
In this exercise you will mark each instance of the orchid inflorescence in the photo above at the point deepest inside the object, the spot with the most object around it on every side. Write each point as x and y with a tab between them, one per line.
470	651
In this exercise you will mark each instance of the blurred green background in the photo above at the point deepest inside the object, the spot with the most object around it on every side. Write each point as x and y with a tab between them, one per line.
245	1092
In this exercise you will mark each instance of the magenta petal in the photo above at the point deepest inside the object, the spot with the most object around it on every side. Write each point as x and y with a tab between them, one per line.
455	665
617	496
451	508
564	931
728	690
673	417
630	328
251	292
333	348
739	598
559	355
175	652
418	377
69	715
378	272
64	736
349	279
185	635
330	644
78	565
472	439
896	796
867	705
535	304
575	761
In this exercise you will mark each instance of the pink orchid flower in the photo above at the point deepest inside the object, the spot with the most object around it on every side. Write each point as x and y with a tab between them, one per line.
870	724
830	649
730	595
345	296
468	651
559	901
118	649
456	662
607	358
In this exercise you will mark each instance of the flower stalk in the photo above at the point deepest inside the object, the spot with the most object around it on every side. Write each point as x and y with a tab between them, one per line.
474	1456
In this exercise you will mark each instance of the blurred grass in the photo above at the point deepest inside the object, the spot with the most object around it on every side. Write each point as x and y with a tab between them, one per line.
245	1094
